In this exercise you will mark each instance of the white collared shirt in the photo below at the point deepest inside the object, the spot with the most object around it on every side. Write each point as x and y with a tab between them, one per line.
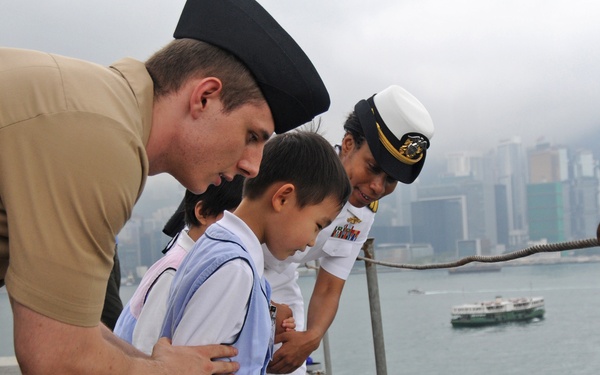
149	324
217	310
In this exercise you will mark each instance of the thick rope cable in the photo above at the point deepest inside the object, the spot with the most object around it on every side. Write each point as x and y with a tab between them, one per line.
542	248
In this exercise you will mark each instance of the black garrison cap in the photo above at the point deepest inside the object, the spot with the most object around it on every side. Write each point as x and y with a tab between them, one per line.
287	78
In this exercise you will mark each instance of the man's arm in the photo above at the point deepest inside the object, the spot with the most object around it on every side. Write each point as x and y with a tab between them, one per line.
122	345
47	346
297	346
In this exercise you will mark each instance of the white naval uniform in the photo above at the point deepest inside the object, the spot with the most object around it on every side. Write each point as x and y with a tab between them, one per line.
336	248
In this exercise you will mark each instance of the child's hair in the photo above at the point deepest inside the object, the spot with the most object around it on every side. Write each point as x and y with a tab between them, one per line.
306	160
215	200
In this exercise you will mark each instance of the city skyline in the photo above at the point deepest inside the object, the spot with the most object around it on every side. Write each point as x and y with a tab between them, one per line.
466	190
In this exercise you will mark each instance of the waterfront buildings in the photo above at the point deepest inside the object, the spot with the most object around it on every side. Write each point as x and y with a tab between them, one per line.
480	203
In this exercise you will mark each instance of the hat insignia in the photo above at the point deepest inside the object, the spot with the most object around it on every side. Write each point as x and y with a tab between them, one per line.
411	152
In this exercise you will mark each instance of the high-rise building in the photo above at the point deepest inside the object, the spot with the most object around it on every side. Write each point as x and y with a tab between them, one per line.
479	206
473	164
511	171
440	222
549	194
500	202
549	211
548	164
584	198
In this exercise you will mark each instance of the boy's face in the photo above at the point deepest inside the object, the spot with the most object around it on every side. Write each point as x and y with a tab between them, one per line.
369	182
296	228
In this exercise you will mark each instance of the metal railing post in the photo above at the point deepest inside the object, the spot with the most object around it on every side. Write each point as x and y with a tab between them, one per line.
327	354
325	340
376	321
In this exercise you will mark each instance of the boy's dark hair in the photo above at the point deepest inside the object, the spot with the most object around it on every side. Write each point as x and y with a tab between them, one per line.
183	59
306	160
352	126
215	200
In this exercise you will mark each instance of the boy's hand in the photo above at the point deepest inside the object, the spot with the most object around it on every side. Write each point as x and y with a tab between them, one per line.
284	320
289	324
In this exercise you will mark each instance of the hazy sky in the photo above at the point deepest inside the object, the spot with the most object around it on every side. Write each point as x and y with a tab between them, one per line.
486	70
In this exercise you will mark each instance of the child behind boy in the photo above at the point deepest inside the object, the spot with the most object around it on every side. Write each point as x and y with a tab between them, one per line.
137	323
219	294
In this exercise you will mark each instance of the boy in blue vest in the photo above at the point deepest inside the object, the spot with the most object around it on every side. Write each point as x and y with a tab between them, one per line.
219	294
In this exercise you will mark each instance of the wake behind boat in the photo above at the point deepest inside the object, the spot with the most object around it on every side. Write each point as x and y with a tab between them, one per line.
500	310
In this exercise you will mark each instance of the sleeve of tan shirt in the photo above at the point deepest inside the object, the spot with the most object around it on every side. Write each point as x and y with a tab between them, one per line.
70	188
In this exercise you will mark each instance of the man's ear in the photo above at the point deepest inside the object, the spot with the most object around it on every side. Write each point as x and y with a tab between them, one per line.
204	92
284	197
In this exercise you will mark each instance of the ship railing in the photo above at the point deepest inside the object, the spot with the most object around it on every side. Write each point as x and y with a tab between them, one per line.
373	288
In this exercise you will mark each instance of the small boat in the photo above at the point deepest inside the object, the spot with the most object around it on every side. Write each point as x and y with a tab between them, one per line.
471	268
500	310
416	291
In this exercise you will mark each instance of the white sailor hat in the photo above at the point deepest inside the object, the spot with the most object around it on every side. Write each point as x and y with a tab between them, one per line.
287	78
398	129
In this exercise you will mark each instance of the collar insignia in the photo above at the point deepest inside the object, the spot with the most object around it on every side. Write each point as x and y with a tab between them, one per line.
353	219
374	206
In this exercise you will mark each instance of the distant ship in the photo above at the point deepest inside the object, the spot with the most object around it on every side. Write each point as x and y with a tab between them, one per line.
469	268
500	310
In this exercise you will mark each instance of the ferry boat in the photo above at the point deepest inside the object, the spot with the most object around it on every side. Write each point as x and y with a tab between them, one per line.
500	310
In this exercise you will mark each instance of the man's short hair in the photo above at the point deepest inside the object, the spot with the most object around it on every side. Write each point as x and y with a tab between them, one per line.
306	160
183	59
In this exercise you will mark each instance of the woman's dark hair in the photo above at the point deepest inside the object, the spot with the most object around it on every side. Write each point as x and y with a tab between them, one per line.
306	160
353	127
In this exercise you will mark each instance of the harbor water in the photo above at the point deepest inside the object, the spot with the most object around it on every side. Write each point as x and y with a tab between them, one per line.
419	338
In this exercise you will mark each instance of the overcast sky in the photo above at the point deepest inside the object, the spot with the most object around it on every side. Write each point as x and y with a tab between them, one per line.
486	70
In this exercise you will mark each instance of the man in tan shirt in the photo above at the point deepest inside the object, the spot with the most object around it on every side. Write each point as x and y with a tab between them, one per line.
77	141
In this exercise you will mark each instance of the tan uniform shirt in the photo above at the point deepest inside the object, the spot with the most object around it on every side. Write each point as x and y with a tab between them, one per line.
72	165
